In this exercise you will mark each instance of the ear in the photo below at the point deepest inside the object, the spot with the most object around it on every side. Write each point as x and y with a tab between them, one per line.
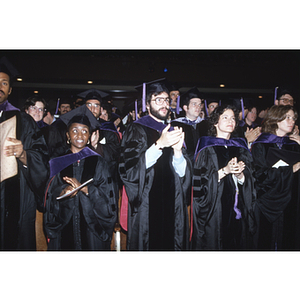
276	102
185	108
10	89
68	136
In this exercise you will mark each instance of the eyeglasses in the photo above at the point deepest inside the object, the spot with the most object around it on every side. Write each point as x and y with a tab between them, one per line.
35	108
161	100
90	105
287	101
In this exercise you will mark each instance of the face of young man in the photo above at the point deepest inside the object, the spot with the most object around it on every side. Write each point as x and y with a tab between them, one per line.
173	96
211	107
193	110
5	89
94	106
64	108
159	106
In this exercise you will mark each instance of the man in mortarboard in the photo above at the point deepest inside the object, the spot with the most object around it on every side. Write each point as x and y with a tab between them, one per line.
156	173
105	140
285	96
22	193
191	102
65	105
175	109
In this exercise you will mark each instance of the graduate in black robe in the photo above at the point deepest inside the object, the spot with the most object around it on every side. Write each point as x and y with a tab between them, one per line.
277	208
85	219
223	189
157	193
22	194
190	102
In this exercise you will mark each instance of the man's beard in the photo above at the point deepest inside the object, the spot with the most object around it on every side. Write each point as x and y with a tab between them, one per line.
156	114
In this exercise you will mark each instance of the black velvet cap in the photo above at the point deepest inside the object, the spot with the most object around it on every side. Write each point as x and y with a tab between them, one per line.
287	89
92	94
190	94
81	115
173	86
155	86
7	68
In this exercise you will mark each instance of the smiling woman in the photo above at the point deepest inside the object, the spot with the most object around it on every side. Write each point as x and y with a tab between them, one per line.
35	107
84	218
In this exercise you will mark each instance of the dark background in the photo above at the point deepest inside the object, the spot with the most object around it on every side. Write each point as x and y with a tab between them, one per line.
245	73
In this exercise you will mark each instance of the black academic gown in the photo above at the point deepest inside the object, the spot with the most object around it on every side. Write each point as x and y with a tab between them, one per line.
22	194
191	136
202	128
157	197
83	222
215	226
278	205
109	147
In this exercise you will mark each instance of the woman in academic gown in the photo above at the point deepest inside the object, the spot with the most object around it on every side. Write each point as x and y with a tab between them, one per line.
85	219
223	193
277	207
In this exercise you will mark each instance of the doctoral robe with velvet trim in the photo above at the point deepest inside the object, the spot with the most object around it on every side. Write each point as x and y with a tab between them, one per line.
157	196
215	226
22	194
191	135
278	204
81	222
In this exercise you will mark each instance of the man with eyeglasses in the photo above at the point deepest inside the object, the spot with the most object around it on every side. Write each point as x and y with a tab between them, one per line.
20	194
191	102
284	97
156	173
106	139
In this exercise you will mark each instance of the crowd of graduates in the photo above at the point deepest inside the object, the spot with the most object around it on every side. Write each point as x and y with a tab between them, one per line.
177	171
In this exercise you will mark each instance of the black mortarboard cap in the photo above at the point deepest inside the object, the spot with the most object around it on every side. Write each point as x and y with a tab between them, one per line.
8	68
286	89
173	86
157	86
190	94
80	115
92	94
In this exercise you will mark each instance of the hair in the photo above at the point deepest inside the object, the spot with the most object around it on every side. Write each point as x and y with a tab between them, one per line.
215	117
276	114
31	101
108	108
51	106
